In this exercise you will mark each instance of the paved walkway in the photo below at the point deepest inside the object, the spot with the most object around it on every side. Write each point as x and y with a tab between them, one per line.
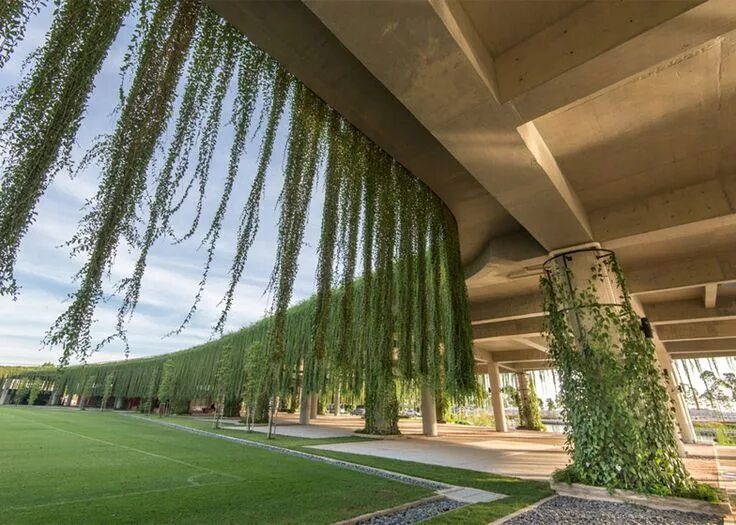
530	455
295	430
523	454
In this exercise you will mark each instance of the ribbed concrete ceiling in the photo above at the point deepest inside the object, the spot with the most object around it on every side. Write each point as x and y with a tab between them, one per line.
503	25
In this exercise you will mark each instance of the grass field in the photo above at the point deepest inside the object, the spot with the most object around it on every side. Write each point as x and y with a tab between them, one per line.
67	466
521	493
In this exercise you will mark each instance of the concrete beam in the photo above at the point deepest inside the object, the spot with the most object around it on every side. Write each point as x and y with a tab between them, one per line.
697	331
726	346
530	327
682	273
526	366
710	295
461	28
674	214
703	355
532	344
692	310
517	356
409	48
601	45
504	255
516	307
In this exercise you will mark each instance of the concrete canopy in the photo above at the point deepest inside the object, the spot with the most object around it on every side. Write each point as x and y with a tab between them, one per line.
545	125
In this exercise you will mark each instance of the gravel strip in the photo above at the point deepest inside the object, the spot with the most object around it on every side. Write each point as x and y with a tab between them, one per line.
395	476
575	511
415	514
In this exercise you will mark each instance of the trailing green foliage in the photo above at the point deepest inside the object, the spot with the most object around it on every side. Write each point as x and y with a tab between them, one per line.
34	391
14	15
255	374
619	425
48	106
530	417
404	322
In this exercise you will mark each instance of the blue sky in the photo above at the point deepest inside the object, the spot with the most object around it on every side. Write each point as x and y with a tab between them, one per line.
44	268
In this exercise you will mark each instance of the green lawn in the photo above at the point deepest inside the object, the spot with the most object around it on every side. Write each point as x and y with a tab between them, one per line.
67	466
520	492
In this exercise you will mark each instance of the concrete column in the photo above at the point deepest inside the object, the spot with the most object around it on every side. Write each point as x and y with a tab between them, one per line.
337	401
499	412
313	405
119	403
54	398
304	409
584	273
82	402
669	379
4	395
682	416
429	412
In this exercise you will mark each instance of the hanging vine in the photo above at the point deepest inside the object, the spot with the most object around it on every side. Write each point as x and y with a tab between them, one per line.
14	15
391	304
48	106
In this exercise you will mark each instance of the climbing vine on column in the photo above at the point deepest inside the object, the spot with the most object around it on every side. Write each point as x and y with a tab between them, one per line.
618	416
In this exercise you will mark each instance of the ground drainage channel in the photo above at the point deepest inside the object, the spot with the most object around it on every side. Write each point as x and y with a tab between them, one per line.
452	496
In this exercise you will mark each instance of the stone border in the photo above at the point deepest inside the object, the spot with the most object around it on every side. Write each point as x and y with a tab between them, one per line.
392	510
577	490
522	510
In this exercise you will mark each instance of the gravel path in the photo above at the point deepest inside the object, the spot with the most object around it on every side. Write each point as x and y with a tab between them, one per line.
574	511
415	514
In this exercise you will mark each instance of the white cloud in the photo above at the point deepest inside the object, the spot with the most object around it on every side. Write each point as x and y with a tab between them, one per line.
45	270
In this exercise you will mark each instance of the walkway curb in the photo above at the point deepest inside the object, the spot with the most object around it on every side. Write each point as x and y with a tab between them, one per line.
576	490
524	510
392	510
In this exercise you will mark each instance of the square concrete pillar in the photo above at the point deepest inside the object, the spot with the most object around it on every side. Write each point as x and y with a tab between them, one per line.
499	412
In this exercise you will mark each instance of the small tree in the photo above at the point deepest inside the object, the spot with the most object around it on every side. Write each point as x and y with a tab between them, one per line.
166	387
222	383
107	390
729	382
551	405
713	394
511	395
147	401
255	378
87	390
530	417
22	391
34	391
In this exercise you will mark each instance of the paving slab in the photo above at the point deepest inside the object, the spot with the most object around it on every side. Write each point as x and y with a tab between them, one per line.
300	431
525	460
470	495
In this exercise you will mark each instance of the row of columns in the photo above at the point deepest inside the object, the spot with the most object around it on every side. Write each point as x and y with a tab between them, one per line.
308	407
310	403
682	415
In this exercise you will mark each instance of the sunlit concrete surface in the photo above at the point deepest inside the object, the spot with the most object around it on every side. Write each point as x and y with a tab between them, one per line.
530	455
